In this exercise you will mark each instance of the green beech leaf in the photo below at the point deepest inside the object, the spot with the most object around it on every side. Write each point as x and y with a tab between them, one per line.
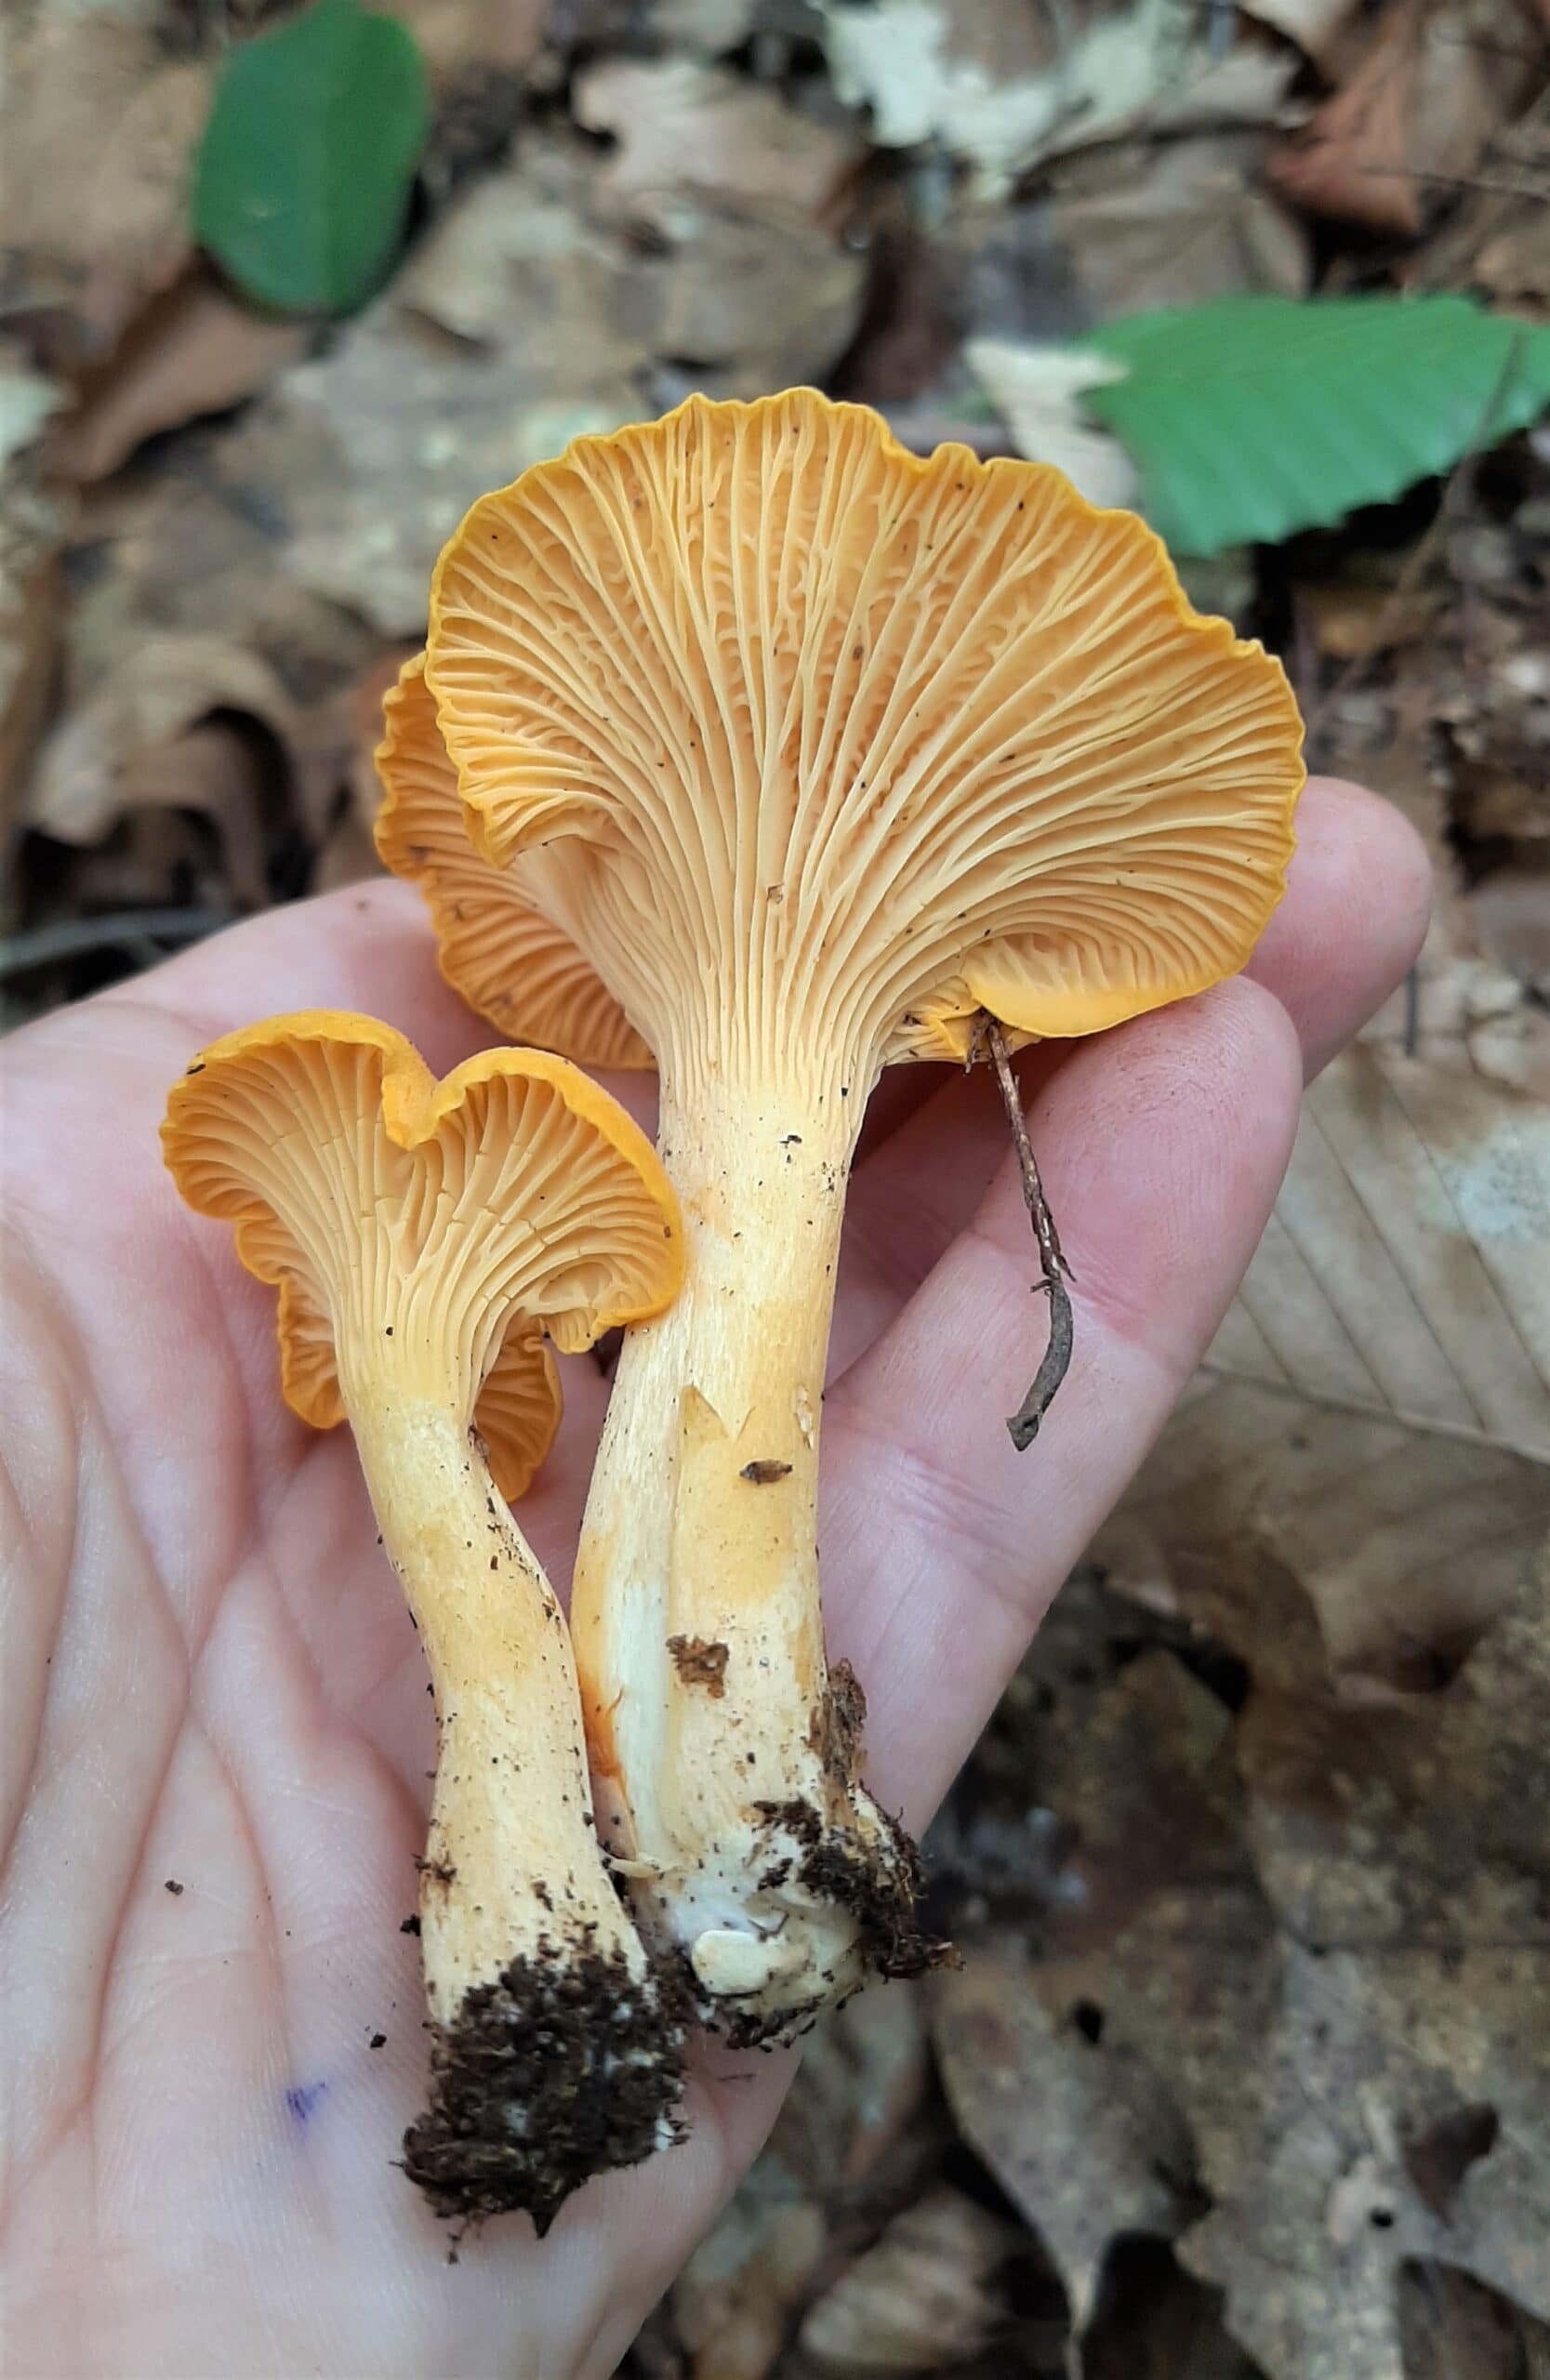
307	160
1252	417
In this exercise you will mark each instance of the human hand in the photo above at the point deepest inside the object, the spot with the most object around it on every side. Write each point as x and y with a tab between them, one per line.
212	1681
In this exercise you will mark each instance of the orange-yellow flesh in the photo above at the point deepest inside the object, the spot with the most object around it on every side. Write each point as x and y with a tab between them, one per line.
847	742
427	1232
498	951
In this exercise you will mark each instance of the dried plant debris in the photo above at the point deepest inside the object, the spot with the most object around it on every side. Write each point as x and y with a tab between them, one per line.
849	2145
83	249
921	2300
1374	1416
1108	2151
1311	2094
688	130
439	391
1008	90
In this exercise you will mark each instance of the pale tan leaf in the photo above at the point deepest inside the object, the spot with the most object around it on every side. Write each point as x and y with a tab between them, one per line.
1038	390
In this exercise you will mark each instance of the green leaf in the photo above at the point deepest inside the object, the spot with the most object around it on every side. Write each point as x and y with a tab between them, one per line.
1253	417
304	174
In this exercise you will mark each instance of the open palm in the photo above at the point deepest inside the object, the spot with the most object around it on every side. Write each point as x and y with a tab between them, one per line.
218	1733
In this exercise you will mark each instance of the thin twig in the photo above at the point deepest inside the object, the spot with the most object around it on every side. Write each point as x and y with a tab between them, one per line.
1023	1425
47	946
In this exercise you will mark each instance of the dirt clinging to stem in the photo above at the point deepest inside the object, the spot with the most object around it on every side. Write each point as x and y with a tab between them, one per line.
565	2065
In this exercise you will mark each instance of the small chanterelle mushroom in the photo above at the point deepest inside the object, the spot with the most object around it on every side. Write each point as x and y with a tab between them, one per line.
425	1237
820	754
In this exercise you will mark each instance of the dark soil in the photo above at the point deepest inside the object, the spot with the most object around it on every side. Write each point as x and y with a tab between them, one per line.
700	1661
565	2067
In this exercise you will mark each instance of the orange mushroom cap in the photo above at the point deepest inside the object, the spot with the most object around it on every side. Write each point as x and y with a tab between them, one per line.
497	950
425	1230
891	740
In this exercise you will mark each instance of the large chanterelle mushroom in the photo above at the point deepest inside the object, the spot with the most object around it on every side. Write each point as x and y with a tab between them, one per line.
818	752
424	1236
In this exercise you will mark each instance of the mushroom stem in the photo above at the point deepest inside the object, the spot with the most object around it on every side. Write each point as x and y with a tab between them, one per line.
553	2055
524	1862
732	1776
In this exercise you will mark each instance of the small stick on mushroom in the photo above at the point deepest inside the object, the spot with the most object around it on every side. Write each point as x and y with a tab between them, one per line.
424	1236
815	750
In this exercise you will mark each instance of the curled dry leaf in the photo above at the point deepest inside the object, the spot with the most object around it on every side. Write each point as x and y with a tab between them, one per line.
922	2300
194	349
150	736
1407	124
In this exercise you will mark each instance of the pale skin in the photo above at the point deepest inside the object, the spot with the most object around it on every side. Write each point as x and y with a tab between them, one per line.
210	1677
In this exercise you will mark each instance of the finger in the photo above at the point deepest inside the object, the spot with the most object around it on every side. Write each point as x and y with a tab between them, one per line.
1345	935
1355	912
1162	1147
368	947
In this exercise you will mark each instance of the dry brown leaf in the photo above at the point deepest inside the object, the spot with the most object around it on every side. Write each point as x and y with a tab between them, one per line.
1010	90
84	246
1409	1826
196	350
406	432
1407	1275
1355	2073
1157	2322
1081	2134
710	26
1360	2061
459	37
1374	1414
733	2304
921	2300
158	732
1452	2328
1409	122
32	524
1177	225
863	2077
686	129
1498	239
443	390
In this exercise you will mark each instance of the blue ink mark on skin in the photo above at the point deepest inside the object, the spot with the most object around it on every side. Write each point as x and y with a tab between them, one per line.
302	2101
